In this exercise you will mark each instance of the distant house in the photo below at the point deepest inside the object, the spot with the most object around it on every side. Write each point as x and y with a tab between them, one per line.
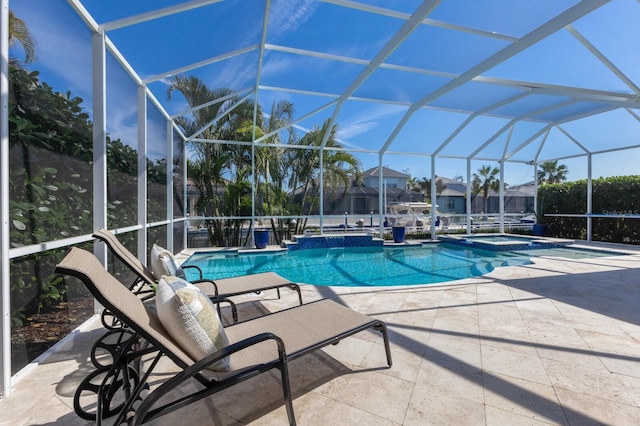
390	178
517	199
453	198
520	198
365	199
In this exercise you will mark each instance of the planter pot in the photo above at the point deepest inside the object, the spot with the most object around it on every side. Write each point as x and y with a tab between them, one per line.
398	234
261	238
539	229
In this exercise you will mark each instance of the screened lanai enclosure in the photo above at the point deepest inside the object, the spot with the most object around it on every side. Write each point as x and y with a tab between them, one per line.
151	117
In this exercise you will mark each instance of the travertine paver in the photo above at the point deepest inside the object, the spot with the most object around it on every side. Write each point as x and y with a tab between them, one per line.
554	342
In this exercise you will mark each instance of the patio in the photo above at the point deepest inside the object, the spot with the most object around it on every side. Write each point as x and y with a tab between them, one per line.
555	342
439	88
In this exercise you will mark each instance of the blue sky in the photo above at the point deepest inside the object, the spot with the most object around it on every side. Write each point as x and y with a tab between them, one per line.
155	47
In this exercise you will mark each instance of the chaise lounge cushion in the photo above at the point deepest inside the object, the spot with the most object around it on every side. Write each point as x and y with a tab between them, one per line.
164	263
191	319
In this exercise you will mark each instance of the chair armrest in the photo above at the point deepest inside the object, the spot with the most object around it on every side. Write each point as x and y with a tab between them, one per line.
193	267
145	407
213	283
236	347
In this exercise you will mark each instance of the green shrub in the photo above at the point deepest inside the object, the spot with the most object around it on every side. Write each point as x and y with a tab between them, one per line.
614	195
51	184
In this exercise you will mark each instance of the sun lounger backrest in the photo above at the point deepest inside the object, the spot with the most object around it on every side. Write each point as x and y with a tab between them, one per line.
125	305
122	253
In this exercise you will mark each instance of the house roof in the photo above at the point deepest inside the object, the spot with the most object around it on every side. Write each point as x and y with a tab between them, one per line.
525	190
453	188
391	193
386	172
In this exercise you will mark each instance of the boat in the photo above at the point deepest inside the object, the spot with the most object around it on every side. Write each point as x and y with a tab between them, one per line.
531	218
408	214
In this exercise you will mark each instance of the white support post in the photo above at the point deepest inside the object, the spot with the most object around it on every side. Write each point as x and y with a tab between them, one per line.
468	195
589	199
322	191
170	217
99	72
254	176
99	90
185	176
502	197
142	173
5	287
535	191
382	202
434	198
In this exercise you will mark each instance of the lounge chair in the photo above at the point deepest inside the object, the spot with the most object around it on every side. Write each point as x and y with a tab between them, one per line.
255	346
220	289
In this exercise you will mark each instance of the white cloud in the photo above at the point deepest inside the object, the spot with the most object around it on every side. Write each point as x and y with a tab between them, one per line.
367	120
275	65
285	16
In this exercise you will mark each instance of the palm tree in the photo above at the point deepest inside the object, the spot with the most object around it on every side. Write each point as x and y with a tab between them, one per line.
424	186
551	172
19	33
273	163
339	168
484	180
214	162
413	184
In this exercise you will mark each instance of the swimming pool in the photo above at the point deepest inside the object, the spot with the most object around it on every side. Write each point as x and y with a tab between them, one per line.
374	266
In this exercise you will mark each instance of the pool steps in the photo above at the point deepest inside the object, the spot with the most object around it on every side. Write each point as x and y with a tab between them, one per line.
315	241
519	242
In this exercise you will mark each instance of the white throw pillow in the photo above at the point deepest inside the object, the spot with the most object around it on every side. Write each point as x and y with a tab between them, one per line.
191	320
164	263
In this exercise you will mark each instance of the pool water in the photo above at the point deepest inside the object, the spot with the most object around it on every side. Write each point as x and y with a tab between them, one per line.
374	266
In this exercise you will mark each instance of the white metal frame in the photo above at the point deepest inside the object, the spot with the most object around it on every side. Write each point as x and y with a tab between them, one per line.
99	70
5	287
102	44
142	171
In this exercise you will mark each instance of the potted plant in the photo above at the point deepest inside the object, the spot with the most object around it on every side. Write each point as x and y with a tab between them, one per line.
260	236
538	227
398	232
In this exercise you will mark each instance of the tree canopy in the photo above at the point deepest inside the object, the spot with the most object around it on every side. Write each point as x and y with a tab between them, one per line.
286	181
484	180
19	33
550	172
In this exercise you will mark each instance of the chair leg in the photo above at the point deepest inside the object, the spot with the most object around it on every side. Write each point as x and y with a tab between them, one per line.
296	287
286	390
382	328
234	309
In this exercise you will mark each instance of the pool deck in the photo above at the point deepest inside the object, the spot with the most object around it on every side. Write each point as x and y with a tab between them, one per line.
555	342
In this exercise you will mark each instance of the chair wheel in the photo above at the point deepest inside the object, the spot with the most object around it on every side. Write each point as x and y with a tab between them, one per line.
109	321
115	394
106	348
